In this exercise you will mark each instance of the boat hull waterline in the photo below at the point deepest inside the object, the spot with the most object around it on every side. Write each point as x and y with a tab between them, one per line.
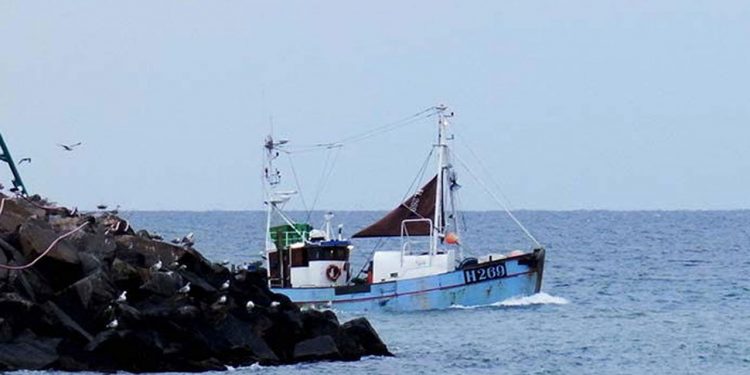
476	285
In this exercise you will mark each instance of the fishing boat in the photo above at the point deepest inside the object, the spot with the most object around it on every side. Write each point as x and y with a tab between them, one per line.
312	266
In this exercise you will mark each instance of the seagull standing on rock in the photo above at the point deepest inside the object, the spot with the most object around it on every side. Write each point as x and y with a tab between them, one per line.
123	297
188	241
249	306
157	265
113	324
222	300
185	289
224	286
275	304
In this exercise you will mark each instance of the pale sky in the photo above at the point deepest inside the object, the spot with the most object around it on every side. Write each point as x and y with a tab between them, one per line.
571	104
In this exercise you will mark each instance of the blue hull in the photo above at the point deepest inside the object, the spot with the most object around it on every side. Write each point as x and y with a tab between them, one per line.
479	284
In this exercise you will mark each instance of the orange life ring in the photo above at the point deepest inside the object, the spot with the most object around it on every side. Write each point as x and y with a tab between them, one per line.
333	272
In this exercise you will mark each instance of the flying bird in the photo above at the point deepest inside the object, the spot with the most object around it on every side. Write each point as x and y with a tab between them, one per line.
69	147
24	160
102	206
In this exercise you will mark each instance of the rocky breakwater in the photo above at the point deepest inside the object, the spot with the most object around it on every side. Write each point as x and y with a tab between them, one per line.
88	292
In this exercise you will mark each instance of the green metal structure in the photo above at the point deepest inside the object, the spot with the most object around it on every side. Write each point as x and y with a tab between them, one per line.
285	235
5	157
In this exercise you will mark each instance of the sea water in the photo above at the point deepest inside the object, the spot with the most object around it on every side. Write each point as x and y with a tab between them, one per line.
654	292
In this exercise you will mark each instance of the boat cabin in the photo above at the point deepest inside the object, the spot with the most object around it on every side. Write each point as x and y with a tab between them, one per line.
305	257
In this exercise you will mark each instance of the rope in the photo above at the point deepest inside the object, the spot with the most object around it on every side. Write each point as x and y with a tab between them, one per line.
324	178
369	257
296	181
42	255
36	204
500	202
421	115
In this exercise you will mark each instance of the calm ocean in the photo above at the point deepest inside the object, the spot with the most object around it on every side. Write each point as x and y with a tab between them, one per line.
654	292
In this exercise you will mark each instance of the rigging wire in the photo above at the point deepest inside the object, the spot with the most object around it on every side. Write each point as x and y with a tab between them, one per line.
296	182
327	172
421	115
377	246
497	200
419	175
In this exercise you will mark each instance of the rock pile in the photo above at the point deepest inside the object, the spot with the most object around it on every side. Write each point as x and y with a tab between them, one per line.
106	298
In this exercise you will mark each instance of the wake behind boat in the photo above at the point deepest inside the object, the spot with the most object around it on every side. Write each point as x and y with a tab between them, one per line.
428	271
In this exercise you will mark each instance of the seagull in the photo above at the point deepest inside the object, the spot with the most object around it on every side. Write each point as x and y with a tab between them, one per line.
224	262
24	160
157	265
174	264
187	241
102	206
224	286
185	289
182	267
275	304
69	147
123	297
113	324
249	305
222	300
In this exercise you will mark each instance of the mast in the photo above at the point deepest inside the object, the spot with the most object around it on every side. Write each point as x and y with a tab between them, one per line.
441	155
270	180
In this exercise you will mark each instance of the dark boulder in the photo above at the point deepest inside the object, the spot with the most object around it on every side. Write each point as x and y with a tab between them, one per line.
316	349
361	330
105	299
59	322
61	265
29	352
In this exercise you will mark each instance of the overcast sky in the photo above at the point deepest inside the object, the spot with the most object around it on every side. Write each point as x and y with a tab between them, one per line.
570	104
